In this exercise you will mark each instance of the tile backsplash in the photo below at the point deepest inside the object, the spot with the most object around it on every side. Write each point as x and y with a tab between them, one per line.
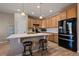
52	30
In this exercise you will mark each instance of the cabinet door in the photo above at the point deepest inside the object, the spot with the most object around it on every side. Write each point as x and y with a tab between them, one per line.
34	21
39	22
44	23
56	20
72	12
62	15
55	38
51	38
49	22
30	22
53	22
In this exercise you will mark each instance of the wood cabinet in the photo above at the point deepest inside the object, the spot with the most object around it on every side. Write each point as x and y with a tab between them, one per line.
52	22
72	12
56	20
30	22
40	23
44	23
55	37
62	15
49	22
37	21
51	38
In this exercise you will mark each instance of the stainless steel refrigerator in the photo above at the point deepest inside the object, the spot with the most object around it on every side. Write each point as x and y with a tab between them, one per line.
67	33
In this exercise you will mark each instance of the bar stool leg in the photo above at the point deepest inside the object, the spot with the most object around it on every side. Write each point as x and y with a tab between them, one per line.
30	51
24	52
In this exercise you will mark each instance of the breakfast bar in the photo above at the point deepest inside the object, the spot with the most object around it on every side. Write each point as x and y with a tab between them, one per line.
16	46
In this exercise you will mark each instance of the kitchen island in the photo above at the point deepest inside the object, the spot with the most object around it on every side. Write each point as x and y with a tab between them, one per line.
16	46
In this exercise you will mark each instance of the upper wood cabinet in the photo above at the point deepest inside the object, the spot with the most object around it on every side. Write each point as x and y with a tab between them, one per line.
62	15
53	22
49	22
44	23
56	20
72	12
30	22
39	22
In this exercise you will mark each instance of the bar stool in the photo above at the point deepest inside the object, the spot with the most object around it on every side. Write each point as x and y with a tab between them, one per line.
43	44
27	48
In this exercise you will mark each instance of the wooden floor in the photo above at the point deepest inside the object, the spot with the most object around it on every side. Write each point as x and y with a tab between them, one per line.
53	50
4	48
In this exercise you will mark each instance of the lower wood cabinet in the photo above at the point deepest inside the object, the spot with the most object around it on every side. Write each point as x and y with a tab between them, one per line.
53	37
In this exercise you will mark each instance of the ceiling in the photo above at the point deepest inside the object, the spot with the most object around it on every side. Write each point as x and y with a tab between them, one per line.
31	8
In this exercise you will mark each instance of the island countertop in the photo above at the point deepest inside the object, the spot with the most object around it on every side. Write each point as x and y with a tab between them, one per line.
27	35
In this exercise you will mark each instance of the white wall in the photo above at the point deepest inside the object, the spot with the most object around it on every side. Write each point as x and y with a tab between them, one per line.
6	25
21	23
78	26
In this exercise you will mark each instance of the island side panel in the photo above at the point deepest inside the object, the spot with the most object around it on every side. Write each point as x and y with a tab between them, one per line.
16	47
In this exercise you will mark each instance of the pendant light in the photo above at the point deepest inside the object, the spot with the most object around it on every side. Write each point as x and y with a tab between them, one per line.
23	10
40	17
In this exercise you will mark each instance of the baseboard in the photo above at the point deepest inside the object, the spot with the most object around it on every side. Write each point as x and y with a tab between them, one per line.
4	42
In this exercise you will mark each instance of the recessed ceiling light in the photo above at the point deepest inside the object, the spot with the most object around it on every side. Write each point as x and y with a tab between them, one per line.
50	10
41	17
18	10
38	6
32	13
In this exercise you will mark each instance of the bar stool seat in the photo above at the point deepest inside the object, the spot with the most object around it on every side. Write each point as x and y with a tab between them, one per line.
27	47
